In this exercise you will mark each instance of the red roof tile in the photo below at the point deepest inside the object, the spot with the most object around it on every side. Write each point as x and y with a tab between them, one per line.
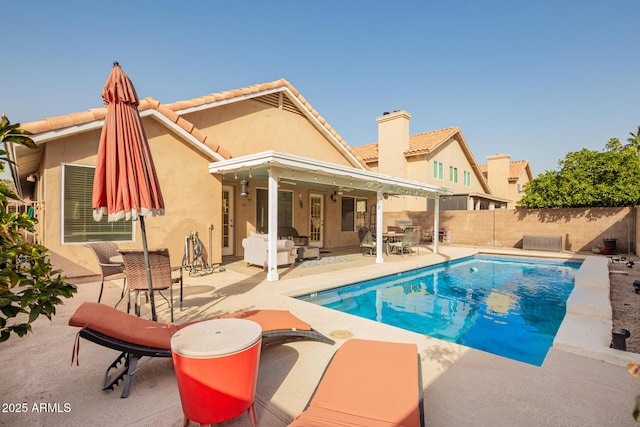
515	169
169	111
419	143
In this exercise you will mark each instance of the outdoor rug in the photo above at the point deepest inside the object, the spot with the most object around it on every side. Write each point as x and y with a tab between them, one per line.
328	260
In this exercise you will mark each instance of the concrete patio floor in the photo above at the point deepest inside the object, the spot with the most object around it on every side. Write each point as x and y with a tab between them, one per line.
462	386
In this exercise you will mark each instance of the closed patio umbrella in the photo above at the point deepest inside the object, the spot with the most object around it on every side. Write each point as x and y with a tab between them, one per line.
125	183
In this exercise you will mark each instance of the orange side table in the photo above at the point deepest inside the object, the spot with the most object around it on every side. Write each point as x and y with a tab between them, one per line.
216	364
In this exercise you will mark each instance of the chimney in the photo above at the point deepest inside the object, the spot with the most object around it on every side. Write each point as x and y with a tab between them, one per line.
498	174
393	141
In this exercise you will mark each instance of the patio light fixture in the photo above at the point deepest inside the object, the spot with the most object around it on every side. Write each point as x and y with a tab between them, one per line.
244	188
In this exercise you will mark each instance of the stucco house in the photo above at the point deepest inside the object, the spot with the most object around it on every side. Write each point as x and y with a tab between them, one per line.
251	159
507	178
440	157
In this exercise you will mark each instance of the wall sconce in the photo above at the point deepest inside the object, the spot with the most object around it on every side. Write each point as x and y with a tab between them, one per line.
32	177
244	188
334	197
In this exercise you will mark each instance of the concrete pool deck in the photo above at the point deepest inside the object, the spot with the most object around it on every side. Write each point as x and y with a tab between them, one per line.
462	386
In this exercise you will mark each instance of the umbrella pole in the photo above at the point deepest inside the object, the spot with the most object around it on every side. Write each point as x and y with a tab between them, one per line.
148	266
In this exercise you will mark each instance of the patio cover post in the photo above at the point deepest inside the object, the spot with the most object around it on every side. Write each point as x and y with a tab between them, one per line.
436	223
272	242
379	242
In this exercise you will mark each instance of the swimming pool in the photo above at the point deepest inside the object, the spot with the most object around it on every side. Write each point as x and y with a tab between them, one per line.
511	307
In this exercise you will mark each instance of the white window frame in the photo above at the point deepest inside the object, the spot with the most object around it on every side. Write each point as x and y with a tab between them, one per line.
438	170
98	230
359	203
280	206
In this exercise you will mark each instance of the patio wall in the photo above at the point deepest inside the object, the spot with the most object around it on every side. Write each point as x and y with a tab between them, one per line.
580	228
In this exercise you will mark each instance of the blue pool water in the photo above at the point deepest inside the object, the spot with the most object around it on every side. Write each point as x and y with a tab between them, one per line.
511	307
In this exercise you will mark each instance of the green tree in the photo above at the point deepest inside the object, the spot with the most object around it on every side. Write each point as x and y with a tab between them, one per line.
634	141
589	178
29	286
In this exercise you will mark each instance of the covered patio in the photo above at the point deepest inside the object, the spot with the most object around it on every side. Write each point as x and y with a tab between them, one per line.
277	168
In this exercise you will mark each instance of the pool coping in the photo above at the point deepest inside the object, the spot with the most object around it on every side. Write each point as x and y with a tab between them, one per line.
587	326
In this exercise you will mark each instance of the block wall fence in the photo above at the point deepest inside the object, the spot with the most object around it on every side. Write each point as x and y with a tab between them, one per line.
580	228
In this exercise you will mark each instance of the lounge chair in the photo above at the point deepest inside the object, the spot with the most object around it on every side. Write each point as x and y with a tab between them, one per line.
368	383
136	337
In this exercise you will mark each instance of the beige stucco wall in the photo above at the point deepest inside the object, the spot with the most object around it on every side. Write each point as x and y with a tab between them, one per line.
333	237
393	141
498	174
420	168
250	126
581	229
514	195
191	194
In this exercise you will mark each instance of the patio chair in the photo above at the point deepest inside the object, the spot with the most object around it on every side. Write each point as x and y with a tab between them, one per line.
406	244
109	268
368	383
292	234
135	337
417	237
367	244
162	275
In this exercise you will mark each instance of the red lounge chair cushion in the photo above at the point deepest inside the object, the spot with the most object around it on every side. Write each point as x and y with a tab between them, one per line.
126	327
123	326
367	383
272	320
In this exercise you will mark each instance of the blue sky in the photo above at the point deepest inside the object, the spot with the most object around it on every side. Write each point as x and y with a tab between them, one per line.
534	79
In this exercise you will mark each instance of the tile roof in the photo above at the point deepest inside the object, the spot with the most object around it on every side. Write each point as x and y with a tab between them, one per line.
418	144
170	111
484	170
427	141
516	168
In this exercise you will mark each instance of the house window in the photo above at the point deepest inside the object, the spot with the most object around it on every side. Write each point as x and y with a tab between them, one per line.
438	170
519	187
453	174
467	178
354	213
78	225
285	209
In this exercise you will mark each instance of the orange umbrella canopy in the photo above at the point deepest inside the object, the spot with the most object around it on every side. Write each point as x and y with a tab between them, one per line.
125	184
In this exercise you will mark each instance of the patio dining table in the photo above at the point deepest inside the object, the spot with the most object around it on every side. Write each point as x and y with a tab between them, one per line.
390	237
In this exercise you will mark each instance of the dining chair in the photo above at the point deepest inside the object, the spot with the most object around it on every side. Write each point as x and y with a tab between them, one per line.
105	252
163	276
367	243
406	243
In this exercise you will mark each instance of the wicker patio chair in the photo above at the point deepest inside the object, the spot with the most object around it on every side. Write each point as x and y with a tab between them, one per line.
162	275
407	243
109	268
367	243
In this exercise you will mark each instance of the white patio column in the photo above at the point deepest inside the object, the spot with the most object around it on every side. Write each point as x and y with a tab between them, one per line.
379	243
272	242
436	223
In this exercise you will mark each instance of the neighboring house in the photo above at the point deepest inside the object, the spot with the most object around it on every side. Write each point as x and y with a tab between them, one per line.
229	163
440	157
506	178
